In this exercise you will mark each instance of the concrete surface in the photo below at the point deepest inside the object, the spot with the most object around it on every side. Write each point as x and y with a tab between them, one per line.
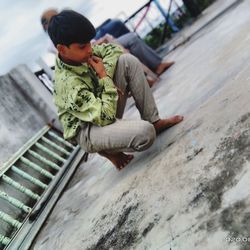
25	107
191	189
209	15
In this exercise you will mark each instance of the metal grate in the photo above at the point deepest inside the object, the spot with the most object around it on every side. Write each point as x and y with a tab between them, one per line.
28	181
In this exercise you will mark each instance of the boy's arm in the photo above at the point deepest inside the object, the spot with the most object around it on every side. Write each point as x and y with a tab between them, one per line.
109	53
83	104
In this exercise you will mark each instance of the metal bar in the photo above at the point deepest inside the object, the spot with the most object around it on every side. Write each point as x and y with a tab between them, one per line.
49	191
22	150
167	16
139	10
142	18
60	139
10	220
30	229
50	195
52	144
20	187
45	67
44	160
36	167
28	177
15	202
49	152
4	240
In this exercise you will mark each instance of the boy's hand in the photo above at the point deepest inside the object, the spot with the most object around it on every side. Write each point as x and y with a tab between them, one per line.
97	64
119	91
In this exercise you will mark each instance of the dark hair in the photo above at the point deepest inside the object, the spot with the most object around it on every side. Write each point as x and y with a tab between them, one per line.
70	27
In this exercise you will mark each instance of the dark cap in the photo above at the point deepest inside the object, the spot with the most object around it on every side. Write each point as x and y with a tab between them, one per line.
70	27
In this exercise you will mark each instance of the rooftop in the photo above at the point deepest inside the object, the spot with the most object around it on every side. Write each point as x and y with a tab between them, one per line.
190	190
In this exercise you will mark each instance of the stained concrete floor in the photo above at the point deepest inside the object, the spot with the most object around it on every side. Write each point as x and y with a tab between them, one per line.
191	189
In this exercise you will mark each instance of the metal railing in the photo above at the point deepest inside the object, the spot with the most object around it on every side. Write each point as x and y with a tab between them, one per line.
29	181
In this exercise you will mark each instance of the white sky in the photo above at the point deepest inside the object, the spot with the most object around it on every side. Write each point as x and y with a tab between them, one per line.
22	38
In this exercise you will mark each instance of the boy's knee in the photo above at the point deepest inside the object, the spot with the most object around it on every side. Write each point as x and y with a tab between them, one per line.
145	137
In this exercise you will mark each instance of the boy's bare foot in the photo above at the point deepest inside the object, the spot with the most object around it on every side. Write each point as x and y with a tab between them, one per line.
151	80
163	67
120	160
164	124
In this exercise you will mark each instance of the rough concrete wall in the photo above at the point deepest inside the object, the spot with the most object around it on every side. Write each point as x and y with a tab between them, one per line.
25	107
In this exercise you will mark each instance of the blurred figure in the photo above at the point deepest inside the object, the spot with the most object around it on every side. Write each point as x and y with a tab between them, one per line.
114	27
137	47
45	18
115	31
92	83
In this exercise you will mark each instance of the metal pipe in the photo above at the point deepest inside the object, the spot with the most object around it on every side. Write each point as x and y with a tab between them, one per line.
20	187
44	160
36	167
49	152
53	186
29	177
7	218
4	240
22	150
167	17
60	139
52	144
15	202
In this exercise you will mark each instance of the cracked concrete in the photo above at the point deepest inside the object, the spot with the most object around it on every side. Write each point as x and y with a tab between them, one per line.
190	190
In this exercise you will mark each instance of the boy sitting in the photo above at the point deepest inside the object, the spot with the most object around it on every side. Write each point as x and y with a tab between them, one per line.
91	89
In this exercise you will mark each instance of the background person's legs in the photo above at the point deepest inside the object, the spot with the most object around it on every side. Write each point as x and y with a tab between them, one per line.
140	49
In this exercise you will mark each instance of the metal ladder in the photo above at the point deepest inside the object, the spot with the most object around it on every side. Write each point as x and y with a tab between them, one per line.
30	184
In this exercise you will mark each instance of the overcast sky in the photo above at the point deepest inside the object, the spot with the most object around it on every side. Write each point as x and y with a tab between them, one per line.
22	38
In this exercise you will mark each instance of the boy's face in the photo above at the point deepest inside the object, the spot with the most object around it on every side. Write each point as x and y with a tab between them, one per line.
76	52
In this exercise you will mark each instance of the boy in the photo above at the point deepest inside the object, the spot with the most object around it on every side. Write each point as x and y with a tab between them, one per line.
131	43
91	88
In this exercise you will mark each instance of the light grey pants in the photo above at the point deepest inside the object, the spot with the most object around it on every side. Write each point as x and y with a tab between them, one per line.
140	49
125	135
